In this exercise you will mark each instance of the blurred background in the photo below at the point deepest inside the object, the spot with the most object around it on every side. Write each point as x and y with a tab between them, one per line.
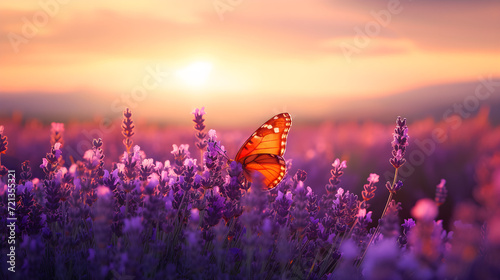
343	70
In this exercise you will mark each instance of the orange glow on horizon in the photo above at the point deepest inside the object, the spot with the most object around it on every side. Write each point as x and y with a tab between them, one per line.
249	57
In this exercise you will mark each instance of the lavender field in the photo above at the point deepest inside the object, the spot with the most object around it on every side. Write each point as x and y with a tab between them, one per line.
417	199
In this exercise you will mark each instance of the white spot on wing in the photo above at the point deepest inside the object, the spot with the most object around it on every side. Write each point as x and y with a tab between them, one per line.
276	130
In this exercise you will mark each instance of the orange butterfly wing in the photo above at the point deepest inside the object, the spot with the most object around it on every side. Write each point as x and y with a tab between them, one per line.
263	151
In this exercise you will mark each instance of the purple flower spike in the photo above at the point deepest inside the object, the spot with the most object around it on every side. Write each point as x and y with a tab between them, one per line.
441	192
56	133
370	188
282	207
50	164
198	118
300	176
232	188
395	188
25	171
147	167
181	153
408	224
399	143
337	171
199	126
132	225
127	129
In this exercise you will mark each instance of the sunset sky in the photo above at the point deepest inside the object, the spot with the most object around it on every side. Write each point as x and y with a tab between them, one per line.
243	59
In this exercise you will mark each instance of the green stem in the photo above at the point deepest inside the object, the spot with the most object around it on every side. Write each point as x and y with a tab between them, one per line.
323	268
390	193
201	160
377	230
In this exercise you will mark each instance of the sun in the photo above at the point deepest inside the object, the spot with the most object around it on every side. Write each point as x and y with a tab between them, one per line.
195	74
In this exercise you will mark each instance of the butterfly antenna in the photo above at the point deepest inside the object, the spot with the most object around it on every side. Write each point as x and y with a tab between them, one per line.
223	152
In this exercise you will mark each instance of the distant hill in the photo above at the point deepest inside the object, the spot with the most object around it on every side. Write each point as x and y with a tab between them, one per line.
419	103
414	104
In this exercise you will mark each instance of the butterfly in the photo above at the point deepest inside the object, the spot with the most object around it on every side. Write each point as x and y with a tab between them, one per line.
263	151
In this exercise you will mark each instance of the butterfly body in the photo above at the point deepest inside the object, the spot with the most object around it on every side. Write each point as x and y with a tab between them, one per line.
263	151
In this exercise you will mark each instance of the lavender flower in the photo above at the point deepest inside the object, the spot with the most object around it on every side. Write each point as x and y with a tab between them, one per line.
214	209
393	188
129	166
26	174
359	233
441	192
189	173
50	163
52	190
146	169
200	127
380	261
337	171
282	207
232	188
369	189
345	208
301	175
110	180
407	226
214	150
332	188
399	143
94	158
128	259
56	133
389	223
127	129
33	263
214	160
181	153
312	203
299	211
102	218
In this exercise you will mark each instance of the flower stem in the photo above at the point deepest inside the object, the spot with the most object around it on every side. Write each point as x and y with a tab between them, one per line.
377	230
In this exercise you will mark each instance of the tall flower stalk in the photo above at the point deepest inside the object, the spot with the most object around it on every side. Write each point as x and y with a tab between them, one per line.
127	129
399	144
199	126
